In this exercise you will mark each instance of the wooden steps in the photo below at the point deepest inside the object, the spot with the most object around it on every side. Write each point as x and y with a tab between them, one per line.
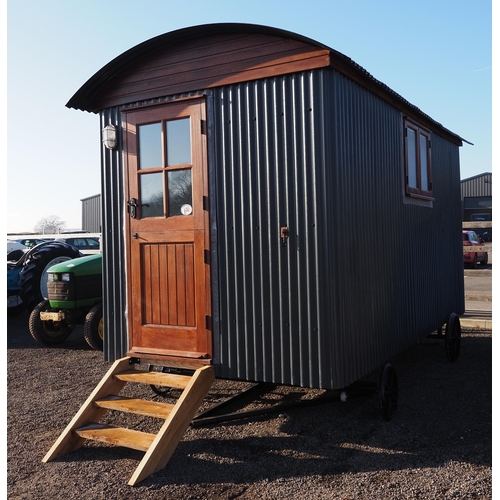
118	436
159	447
155	378
138	406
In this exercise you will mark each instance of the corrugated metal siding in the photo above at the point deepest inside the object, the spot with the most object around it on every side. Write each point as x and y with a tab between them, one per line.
431	281
395	277
365	202
113	245
480	185
363	275
91	214
265	169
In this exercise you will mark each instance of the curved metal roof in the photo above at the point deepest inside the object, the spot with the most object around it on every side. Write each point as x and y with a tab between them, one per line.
85	96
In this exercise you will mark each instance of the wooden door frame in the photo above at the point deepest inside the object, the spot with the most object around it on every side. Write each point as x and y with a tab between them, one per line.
170	360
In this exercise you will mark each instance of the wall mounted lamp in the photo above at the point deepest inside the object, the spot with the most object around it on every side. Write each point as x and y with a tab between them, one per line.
109	137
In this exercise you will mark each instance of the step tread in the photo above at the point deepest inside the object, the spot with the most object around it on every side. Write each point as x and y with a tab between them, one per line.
118	436
134	405
172	380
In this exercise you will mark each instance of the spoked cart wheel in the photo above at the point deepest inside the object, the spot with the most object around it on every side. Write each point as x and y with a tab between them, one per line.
452	337
388	391
158	389
162	390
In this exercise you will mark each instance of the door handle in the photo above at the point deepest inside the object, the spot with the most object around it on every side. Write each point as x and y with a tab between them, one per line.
132	207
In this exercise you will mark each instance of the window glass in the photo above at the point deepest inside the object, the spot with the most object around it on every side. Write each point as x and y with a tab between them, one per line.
418	161
180	198
412	159
150	145
151	195
179	142
92	243
424	181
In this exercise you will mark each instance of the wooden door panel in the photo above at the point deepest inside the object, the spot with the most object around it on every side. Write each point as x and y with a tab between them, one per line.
172	286
167	284
169	280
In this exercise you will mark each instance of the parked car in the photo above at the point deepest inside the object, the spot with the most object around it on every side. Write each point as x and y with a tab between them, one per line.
470	238
78	231
15	250
31	242
485	235
86	244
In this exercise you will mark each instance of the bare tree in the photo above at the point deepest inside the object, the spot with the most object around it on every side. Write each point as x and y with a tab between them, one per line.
180	190
50	224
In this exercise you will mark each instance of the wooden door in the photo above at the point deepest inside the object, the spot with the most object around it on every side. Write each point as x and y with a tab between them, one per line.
167	231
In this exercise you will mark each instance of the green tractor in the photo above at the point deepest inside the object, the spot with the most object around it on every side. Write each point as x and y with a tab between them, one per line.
74	290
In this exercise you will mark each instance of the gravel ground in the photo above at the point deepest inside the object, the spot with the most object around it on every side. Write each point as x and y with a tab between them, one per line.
437	446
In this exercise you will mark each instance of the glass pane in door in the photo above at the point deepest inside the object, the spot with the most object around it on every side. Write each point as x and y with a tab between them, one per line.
180	189
179	142
151	195
150	145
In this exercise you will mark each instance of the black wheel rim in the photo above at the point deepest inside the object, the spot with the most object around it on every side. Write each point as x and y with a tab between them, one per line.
158	389
388	391
453	338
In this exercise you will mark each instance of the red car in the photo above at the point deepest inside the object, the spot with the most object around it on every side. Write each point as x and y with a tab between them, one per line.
472	239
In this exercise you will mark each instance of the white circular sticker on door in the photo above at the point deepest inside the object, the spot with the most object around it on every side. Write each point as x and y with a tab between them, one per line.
186	209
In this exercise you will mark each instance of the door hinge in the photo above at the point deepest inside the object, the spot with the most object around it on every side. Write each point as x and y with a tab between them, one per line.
206	257
203	127
208	322
205	203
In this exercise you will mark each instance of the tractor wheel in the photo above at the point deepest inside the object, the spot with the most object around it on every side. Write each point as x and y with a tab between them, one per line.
48	333
15	255
93	328
33	276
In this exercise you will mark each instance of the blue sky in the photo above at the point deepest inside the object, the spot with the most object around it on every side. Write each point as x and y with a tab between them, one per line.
436	54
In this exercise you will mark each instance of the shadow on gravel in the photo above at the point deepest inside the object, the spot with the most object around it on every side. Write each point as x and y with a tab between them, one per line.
444	416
